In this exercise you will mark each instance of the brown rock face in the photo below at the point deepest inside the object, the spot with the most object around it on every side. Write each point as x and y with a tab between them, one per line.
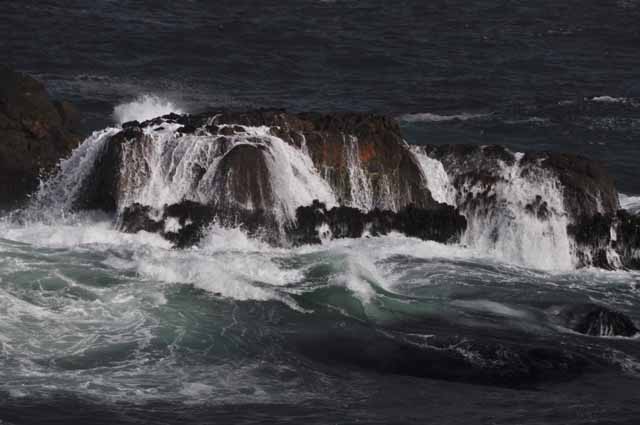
338	141
35	133
242	180
359	155
231	169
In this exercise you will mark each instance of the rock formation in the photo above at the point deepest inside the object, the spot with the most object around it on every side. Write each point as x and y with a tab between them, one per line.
299	178
35	133
596	320
567	191
260	170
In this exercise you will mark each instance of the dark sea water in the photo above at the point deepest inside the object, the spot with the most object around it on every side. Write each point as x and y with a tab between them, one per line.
101	327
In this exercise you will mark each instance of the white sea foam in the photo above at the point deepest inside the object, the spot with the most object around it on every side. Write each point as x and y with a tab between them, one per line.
436	177
630	203
609	99
508	231
164	171
57	193
430	117
143	108
491	307
512	233
361	191
79	235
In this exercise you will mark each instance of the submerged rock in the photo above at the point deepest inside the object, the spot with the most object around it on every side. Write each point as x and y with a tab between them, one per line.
35	133
485	361
596	320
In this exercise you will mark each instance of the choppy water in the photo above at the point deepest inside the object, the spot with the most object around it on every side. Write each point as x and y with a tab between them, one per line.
94	316
100	326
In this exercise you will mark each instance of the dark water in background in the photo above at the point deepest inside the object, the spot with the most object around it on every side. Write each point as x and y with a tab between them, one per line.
107	336
530	65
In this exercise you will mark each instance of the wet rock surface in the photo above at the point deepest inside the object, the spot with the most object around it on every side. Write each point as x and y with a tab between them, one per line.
378	183
185	223
35	133
335	142
597	320
589	197
588	188
609	240
315	223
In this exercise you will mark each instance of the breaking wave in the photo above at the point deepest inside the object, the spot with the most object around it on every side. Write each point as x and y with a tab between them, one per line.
144	108
630	203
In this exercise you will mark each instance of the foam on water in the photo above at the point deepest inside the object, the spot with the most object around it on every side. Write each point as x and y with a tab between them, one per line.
144	108
630	203
511	232
166	170
58	192
508	231
437	179
435	118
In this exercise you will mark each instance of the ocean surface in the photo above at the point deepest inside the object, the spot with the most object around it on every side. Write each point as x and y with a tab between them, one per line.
102	327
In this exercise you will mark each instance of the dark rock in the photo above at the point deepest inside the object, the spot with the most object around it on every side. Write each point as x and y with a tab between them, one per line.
242	179
506	364
628	239
69	114
35	133
240	190
593	236
443	224
596	320
187	129
131	124
226	131
193	218
538	208
588	188
104	186
603	322
589	195
172	117
335	141
183	223
137	217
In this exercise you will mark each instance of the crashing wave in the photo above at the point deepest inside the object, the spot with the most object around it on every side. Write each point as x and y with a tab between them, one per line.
309	177
144	108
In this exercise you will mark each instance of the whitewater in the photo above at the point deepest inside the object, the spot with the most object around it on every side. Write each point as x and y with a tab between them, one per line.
94	314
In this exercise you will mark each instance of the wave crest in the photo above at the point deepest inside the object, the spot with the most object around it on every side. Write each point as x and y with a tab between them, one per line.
144	108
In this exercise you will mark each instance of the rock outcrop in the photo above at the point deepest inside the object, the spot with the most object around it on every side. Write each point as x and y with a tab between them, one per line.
35	133
298	178
315	222
586	186
260	169
612	239
596	320
570	192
